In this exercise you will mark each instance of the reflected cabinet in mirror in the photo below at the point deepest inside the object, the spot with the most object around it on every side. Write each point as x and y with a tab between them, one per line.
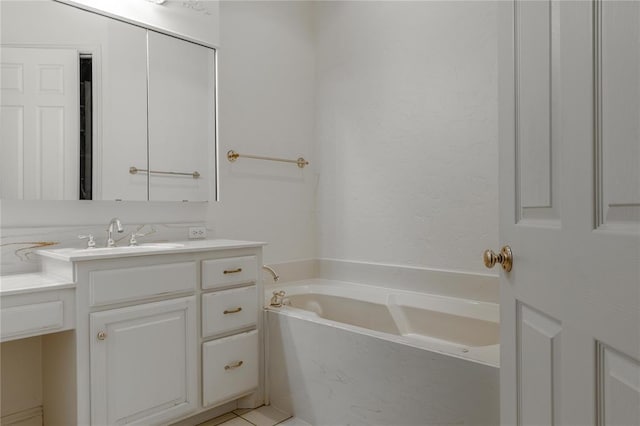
94	108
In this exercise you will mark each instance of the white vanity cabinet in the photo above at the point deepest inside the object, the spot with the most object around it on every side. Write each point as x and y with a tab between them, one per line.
230	349
158	338
144	362
142	353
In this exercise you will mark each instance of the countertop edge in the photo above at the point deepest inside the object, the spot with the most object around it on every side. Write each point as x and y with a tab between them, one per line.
197	247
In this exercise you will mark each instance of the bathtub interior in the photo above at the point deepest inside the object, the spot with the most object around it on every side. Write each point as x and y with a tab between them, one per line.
458	321
401	320
368	315
461	327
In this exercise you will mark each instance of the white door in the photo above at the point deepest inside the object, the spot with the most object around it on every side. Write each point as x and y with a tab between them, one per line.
569	77
144	363
39	128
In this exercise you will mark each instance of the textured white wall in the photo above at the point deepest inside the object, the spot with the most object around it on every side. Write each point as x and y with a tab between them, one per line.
406	132
394	104
266	80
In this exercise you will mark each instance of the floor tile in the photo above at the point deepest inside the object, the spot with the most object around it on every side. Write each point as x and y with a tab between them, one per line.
294	422
265	416
219	420
238	421
241	411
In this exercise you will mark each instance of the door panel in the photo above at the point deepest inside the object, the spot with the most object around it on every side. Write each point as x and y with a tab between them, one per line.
575	282
534	102
539	362
618	388
536	113
12	147
618	115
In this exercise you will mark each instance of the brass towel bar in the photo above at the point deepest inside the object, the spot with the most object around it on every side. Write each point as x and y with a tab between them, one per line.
233	156
133	170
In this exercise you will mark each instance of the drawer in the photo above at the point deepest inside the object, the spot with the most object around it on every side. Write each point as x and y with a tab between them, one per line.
34	314
229	367
220	273
126	284
229	310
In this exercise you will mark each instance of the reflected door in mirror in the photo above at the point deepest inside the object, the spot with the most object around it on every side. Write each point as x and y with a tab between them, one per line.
39	122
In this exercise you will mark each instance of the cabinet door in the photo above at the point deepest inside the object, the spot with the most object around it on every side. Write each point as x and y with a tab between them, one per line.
181	119
144	363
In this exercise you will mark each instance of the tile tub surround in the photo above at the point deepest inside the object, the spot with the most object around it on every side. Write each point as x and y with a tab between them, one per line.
328	375
452	283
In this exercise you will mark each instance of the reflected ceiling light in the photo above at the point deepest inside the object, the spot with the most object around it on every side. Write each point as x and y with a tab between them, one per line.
157	1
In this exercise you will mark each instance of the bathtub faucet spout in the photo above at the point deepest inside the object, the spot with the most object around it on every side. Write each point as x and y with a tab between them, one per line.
276	277
278	299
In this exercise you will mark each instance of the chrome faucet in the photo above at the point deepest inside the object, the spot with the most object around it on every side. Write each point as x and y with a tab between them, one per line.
276	277
114	224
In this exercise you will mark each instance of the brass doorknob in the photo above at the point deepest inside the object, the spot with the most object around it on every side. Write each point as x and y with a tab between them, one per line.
505	258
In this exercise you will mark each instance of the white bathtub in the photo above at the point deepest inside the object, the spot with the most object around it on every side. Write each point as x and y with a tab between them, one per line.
342	353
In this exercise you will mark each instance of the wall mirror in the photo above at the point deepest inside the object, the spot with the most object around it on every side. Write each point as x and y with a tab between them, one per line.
94	108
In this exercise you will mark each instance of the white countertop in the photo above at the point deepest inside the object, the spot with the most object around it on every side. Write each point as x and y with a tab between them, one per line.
29	283
173	247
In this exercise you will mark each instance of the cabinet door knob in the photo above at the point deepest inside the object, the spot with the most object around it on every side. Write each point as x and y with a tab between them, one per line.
232	311
234	365
232	271
102	335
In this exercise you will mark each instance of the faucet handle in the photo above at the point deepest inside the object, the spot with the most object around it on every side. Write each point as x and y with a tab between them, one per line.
278	298
91	243
133	241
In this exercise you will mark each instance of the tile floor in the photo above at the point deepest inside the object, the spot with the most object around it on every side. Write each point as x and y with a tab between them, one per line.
261	416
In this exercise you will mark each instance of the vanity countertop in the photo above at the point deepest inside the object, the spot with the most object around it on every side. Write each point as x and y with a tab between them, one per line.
76	254
30	283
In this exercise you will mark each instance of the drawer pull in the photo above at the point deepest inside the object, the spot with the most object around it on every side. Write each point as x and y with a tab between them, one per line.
232	311
234	365
232	271
102	335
